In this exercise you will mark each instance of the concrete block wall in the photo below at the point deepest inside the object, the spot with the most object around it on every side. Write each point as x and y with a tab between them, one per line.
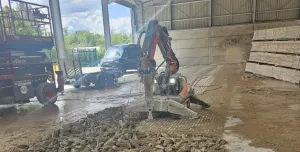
206	45
216	45
275	54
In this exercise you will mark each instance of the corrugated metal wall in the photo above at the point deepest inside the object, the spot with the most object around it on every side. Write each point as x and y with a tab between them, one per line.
190	14
277	10
226	12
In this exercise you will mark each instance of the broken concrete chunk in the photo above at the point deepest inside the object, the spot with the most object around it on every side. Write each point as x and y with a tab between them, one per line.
102	132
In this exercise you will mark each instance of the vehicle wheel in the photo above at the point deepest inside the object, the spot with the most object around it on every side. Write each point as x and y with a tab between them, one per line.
46	93
100	83
116	81
76	86
86	83
123	71
110	81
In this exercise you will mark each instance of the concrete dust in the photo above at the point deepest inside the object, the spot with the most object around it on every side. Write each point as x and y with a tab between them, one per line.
236	41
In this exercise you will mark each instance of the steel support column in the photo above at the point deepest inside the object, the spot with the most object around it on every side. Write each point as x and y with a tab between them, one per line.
210	13
57	29
106	24
133	23
143	17
171	14
299	10
254	11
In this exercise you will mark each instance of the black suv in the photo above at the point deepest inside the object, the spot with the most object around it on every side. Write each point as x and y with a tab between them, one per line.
120	58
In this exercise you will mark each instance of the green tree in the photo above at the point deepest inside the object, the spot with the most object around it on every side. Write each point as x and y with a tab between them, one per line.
21	27
85	38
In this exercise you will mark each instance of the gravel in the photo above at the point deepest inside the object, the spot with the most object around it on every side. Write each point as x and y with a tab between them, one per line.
110	131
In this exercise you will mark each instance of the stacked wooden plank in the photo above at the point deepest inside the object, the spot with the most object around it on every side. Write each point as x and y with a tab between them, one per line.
276	53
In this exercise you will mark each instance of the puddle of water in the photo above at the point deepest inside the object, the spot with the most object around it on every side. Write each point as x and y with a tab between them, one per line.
231	122
96	107
18	109
237	143
6	106
79	113
31	107
294	107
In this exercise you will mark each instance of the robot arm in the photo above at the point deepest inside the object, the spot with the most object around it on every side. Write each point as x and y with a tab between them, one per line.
167	83
157	35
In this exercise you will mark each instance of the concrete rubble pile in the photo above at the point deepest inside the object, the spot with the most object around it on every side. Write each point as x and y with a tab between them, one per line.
108	131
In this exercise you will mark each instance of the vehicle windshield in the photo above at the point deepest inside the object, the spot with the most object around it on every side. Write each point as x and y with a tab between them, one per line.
113	53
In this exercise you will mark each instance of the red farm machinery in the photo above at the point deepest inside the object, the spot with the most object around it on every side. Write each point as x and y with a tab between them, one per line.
25	31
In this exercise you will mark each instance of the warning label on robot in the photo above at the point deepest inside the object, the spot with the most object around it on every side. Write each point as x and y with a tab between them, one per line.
22	83
17	53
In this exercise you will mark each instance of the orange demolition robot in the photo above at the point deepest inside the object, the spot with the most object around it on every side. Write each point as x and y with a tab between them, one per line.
168	90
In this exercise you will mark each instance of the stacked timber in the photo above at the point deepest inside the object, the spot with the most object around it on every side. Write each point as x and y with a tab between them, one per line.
275	53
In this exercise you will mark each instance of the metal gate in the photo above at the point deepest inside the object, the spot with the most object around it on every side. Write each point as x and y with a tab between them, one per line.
87	56
71	68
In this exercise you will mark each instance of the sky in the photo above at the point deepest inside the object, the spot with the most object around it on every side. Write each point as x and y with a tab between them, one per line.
87	15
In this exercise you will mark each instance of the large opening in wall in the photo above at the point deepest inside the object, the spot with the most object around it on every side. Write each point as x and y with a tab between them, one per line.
120	24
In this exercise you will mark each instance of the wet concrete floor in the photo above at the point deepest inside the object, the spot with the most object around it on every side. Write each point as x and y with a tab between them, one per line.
23	124
241	115
29	122
74	104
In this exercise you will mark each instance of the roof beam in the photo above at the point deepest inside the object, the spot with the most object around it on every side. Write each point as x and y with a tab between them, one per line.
137	2
111	1
122	2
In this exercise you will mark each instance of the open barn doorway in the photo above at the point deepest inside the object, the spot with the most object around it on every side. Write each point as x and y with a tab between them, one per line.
120	24
126	22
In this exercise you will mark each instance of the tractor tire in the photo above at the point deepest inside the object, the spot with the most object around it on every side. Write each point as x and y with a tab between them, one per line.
46	93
